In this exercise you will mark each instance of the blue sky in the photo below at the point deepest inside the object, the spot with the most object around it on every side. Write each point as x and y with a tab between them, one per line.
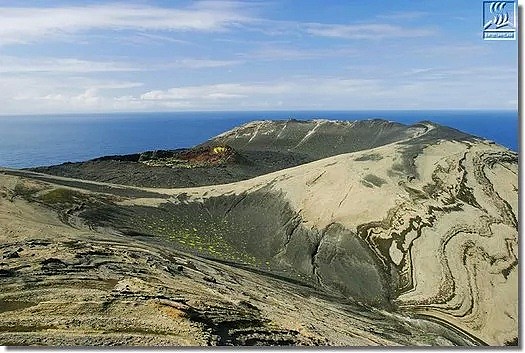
100	56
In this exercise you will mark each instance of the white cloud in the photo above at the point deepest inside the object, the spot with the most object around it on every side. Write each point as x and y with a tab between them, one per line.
366	31
9	64
21	65
287	53
30	94
201	63
404	15
426	88
384	28
452	90
215	92
490	74
150	38
390	74
451	50
299	93
27	24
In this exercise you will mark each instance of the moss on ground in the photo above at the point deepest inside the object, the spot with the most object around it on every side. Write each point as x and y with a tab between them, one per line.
63	196
206	237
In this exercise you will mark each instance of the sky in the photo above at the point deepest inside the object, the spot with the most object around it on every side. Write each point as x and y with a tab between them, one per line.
123	56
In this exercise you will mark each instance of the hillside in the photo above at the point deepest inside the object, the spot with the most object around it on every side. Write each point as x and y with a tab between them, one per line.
363	233
260	147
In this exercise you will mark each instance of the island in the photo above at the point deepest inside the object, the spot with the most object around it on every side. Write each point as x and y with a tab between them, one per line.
289	232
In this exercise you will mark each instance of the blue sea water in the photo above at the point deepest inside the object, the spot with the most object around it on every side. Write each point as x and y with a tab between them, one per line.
28	141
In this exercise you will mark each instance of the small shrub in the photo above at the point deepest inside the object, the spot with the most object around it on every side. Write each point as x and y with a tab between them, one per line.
25	191
61	195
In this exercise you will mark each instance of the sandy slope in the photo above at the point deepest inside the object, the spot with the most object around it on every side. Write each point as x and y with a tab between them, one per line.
456	257
75	286
441	220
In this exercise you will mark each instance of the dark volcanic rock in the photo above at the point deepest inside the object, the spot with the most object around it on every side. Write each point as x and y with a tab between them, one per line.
11	255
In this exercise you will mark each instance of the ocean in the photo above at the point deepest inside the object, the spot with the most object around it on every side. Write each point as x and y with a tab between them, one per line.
38	140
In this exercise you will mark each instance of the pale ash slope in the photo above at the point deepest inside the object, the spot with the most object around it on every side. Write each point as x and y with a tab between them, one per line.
68	285
438	212
445	226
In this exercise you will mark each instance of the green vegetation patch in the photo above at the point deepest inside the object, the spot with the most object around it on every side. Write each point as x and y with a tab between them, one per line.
189	226
63	196
196	233
25	191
